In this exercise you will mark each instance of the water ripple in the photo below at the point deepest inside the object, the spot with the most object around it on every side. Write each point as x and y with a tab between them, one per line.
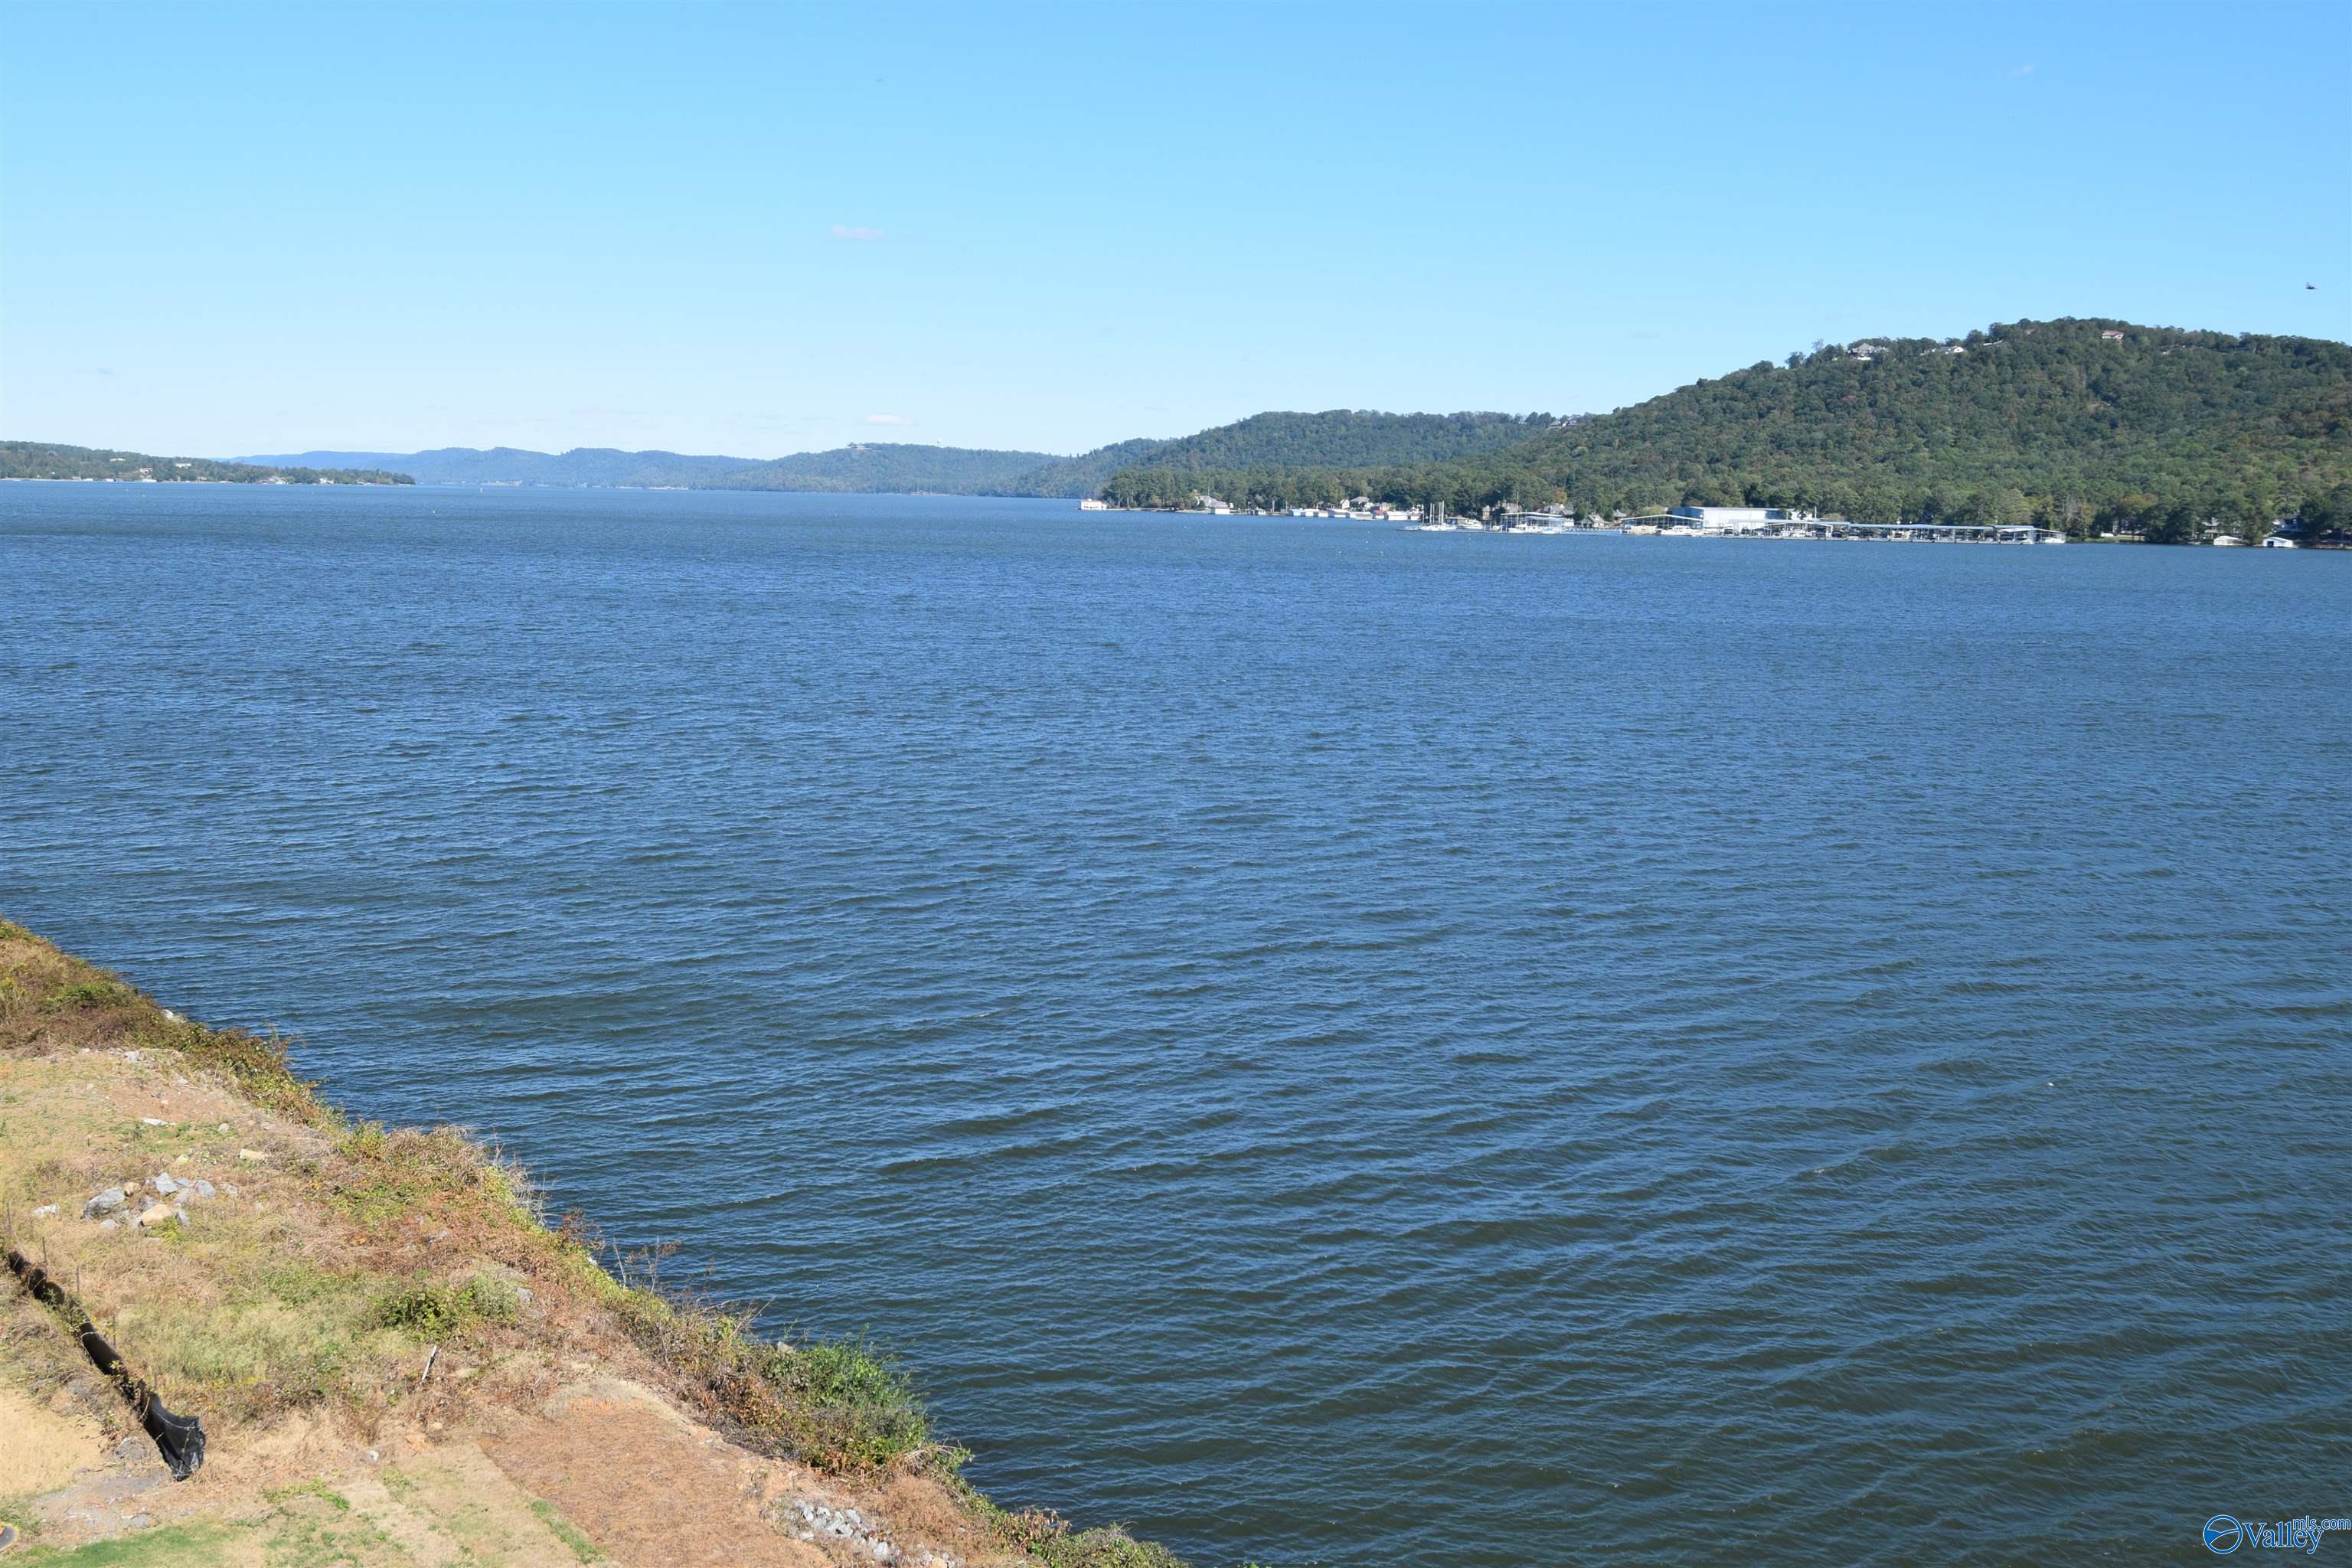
1324	1044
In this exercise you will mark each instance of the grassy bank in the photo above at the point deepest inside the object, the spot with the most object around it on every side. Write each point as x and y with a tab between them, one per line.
300	1279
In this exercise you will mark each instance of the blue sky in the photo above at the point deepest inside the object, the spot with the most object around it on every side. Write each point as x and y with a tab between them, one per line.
764	230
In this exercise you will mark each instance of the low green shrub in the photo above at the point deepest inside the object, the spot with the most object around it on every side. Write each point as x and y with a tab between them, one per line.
107	992
434	1311
853	1405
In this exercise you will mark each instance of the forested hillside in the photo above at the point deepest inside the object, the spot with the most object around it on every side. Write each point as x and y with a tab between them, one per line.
1343	438
1310	459
50	460
2069	422
1070	478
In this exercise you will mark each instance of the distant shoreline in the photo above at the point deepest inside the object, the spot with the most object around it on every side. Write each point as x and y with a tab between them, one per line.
1820	531
393	484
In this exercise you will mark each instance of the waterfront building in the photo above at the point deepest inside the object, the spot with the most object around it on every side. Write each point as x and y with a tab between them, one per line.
1734	518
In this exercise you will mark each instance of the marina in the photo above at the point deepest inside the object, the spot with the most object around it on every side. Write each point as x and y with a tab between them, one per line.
1798	526
1747	523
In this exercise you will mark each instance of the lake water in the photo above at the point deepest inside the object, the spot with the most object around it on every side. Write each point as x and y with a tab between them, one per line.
1325	1044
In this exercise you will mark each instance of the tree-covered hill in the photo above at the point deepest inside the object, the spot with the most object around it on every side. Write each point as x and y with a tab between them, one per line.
2063	421
1310	459
1346	438
1071	477
50	460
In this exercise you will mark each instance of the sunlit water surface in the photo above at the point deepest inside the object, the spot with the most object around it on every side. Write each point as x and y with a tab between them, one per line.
1325	1044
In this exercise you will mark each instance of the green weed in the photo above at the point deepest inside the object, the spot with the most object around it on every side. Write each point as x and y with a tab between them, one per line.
300	1284
566	1532
86	994
857	1406
433	1312
174	1546
315	1487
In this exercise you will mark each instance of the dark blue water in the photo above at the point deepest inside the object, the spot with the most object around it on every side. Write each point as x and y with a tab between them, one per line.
1333	1044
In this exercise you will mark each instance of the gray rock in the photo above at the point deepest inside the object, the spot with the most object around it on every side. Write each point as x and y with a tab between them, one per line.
44	1211
199	1187
106	1202
164	1184
109	1224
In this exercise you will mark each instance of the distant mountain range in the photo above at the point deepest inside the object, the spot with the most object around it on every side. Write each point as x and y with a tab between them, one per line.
2076	423
594	466
52	461
1336	437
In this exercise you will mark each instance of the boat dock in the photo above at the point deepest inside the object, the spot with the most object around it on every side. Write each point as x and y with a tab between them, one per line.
1839	528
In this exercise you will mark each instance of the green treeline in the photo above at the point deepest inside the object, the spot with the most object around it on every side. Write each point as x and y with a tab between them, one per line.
1345	438
2085	426
47	460
1282	460
1270	489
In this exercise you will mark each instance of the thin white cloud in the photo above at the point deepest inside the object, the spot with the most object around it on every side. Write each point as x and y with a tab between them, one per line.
849	231
887	419
2026	70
